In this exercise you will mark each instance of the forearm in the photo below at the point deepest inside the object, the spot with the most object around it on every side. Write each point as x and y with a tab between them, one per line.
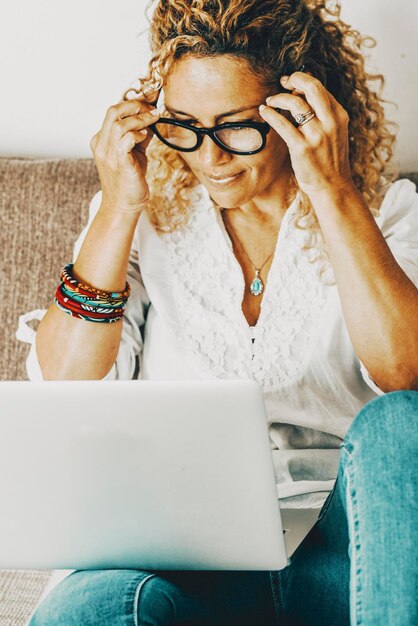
379	301
71	348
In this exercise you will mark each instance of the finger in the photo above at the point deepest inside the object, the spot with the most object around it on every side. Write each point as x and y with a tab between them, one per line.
129	141
338	109
143	145
148	134
122	110
119	110
293	138
94	141
134	122
289	102
314	92
111	134
125	114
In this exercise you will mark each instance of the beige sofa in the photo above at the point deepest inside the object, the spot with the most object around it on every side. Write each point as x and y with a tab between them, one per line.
43	207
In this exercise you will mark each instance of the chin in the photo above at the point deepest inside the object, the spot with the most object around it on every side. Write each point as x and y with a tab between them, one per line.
232	195
229	199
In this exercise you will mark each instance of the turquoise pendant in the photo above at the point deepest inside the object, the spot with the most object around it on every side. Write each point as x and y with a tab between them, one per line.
257	286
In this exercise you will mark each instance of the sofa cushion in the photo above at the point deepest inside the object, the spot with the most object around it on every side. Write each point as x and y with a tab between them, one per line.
43	206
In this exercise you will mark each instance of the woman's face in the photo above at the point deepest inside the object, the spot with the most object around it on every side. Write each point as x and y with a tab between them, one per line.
206	90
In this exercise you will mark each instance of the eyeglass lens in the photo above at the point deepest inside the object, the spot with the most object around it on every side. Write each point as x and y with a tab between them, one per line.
235	138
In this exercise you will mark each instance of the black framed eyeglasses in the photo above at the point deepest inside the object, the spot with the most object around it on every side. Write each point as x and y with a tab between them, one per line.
234	137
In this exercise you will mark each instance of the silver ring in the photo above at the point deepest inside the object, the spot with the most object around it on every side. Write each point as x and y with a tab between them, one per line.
302	118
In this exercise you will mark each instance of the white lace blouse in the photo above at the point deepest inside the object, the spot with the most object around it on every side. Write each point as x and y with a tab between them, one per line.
184	319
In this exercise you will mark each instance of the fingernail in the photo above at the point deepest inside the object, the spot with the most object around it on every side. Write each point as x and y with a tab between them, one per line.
262	107
284	79
155	112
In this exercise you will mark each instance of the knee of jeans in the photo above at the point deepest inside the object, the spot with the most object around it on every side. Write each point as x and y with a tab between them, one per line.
158	602
392	416
53	610
89	597
48	615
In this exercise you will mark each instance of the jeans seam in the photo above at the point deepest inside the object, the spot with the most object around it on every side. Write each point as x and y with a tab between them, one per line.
353	522
136	598
276	592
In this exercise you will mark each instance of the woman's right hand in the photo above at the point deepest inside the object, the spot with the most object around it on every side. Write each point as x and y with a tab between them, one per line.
119	153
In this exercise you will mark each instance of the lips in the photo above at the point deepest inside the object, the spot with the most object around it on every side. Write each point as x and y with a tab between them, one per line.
223	177
224	180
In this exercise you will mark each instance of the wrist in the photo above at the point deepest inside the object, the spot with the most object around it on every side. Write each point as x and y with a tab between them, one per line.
119	216
111	207
343	207
334	193
103	258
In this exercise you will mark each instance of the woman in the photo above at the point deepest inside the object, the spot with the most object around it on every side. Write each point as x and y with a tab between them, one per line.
269	246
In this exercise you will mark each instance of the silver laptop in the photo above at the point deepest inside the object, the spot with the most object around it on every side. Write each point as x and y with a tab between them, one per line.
139	474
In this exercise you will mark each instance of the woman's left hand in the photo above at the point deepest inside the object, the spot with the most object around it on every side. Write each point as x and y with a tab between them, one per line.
318	148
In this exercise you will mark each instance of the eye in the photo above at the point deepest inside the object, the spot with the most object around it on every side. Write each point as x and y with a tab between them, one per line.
184	121
243	121
191	122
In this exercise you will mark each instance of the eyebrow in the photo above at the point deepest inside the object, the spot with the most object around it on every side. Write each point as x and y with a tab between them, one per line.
217	117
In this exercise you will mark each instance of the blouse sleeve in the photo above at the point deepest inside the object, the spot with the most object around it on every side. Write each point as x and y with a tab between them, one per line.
398	222
127	359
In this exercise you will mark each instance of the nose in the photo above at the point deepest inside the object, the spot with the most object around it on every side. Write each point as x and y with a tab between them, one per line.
211	154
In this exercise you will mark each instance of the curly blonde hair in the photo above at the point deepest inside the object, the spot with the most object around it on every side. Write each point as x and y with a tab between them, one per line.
274	37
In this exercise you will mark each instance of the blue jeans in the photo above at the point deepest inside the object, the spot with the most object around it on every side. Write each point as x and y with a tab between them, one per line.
357	565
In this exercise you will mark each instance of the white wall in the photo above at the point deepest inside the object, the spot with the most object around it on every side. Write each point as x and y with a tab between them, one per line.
63	63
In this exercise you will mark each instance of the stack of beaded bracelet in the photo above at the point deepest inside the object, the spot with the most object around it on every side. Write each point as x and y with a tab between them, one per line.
88	303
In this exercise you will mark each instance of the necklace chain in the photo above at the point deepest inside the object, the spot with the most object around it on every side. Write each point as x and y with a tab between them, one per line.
257	285
245	252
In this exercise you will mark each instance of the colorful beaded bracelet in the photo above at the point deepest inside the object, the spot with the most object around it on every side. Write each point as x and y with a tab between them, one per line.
68	278
85	308
90	301
88	318
86	302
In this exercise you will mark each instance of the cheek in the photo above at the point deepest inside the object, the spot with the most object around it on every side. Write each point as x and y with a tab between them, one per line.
268	163
191	159
275	144
277	153
187	157
274	153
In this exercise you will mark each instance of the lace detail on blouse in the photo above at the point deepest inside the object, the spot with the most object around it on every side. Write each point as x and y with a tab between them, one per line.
208	291
209	285
293	301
